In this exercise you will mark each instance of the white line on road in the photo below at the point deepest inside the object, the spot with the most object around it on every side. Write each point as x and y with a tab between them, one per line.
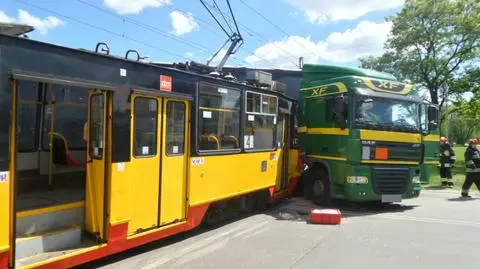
417	219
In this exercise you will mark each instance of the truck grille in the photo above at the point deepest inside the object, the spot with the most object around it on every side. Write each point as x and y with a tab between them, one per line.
402	151
390	180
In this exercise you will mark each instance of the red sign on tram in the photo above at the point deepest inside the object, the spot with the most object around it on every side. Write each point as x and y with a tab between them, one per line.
165	83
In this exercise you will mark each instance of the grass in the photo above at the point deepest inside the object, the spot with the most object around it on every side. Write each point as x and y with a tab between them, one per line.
458	172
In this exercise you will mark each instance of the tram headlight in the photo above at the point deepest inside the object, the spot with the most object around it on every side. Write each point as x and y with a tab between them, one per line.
416	179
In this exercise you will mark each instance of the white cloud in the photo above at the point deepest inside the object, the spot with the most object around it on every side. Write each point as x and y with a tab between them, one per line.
4	17
182	23
123	7
367	38
41	25
321	11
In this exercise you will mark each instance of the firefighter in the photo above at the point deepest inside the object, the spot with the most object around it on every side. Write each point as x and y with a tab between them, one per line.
447	160
472	163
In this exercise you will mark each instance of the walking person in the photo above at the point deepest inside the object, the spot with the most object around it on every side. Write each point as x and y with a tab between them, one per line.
446	162
472	163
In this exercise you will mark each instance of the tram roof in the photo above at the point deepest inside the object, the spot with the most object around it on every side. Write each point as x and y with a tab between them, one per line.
158	65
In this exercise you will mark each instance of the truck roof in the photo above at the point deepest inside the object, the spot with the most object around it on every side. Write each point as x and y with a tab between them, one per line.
325	72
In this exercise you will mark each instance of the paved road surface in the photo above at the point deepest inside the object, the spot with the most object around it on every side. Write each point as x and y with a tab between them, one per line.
437	230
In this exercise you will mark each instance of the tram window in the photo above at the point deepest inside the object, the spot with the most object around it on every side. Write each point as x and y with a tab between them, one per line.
69	122
27	116
28	90
269	104
254	101
259	132
67	94
145	127
175	139
260	127
279	131
27	126
219	118
97	123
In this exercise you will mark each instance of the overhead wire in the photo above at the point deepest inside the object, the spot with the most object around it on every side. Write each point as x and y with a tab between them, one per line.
151	28
202	21
155	29
217	10
274	24
248	30
147	27
226	22
213	16
261	39
231	12
101	29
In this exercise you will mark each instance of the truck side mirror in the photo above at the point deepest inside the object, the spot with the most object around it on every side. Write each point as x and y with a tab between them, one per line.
432	118
340	111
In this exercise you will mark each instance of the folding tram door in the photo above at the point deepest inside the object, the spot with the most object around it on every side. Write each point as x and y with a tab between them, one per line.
98	156
283	144
159	160
59	227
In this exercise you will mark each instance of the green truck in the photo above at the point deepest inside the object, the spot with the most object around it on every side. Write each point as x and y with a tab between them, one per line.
362	134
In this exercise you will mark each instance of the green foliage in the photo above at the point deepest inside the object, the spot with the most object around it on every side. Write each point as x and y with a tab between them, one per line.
432	43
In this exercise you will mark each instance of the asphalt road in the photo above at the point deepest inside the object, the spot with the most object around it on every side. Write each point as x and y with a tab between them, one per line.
437	230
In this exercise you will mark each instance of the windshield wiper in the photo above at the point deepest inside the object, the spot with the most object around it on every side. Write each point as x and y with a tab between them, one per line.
407	127
369	124
390	126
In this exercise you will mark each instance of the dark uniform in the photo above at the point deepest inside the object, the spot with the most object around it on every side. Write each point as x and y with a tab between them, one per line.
472	163
447	161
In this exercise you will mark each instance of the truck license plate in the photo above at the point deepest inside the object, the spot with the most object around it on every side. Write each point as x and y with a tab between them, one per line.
391	198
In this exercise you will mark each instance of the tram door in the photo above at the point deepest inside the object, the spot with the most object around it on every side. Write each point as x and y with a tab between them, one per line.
174	161
158	166
145	162
97	157
283	137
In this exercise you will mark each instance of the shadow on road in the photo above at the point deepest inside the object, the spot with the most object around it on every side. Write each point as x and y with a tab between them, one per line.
298	209
437	188
461	199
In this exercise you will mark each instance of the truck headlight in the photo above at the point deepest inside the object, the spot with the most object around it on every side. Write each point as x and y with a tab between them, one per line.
416	179
357	180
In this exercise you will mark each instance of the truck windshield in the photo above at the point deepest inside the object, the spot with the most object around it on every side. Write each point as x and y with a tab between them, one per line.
385	114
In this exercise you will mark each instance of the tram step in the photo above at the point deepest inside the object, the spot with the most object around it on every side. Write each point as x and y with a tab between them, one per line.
49	218
51	241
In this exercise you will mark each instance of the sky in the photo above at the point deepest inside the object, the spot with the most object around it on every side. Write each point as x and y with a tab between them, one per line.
275	32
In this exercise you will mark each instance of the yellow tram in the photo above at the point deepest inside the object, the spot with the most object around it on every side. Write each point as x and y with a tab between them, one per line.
99	154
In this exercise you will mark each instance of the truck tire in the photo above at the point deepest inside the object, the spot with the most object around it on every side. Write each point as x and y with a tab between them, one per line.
320	188
307	180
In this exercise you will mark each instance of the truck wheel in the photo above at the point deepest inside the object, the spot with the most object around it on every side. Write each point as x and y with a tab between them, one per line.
307	181
320	188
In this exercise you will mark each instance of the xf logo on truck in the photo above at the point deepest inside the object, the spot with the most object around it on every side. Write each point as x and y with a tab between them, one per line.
319	91
389	86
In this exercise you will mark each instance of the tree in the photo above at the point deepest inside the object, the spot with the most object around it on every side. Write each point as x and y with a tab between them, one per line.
432	42
386	63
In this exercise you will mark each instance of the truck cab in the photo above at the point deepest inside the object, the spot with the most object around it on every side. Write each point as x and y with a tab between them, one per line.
361	134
